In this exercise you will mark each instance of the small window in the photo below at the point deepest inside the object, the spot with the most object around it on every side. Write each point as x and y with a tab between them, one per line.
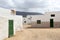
24	16
24	21
52	15
38	21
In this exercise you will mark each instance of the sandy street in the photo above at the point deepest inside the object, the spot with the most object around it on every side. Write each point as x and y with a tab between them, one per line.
37	34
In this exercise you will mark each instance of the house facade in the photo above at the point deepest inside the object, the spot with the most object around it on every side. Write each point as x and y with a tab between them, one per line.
9	23
49	19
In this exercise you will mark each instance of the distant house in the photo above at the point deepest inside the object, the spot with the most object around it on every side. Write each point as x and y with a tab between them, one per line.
49	19
27	16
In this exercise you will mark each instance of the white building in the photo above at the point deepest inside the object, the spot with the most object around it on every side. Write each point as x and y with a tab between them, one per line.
49	19
9	23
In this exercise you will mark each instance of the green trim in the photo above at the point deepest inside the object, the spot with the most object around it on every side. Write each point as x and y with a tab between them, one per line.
11	29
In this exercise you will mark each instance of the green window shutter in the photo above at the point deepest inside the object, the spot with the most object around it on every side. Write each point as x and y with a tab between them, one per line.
11	29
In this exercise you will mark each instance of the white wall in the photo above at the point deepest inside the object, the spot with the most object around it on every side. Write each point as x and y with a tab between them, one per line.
3	28
18	25
5	11
4	17
18	22
46	17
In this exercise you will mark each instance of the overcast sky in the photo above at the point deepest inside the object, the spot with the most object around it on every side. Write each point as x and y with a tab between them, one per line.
31	5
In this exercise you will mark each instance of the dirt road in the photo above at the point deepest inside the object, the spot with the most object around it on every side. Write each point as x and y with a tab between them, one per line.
37	34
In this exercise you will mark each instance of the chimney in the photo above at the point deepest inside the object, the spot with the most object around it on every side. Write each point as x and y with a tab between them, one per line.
13	12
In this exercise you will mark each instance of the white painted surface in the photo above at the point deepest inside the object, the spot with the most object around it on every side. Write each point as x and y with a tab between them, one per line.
5	11
3	28
4	17
18	25
46	17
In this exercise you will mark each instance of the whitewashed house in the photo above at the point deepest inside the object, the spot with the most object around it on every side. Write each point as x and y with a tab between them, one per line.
49	19
9	23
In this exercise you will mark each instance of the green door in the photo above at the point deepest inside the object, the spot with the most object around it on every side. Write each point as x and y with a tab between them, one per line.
11	30
51	23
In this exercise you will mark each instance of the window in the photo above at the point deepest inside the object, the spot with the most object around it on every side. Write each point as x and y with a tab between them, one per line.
24	21
24	16
52	15
38	21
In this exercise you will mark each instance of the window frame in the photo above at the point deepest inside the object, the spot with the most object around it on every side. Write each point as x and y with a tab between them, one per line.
38	21
52	15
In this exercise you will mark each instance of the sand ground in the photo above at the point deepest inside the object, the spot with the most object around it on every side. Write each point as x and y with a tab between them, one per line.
37	34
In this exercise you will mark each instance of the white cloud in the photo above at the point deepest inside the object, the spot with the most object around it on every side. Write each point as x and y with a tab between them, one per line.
10	3
32	5
53	5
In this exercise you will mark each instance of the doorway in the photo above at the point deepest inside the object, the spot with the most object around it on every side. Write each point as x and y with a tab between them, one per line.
51	23
11	29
